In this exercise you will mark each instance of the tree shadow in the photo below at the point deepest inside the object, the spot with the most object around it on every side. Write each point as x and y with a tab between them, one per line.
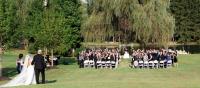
67	60
9	72
50	81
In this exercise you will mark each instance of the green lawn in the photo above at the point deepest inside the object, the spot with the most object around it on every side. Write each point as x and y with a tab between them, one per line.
187	75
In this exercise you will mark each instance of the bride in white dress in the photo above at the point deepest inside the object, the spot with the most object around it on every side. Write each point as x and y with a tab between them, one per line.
26	77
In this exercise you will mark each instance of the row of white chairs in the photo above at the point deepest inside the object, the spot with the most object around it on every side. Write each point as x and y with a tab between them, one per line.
100	64
152	64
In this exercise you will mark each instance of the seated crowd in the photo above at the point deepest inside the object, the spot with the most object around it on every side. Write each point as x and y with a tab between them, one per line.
153	58
99	58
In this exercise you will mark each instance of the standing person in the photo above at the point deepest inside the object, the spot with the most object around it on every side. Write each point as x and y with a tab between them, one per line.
79	59
40	65
175	60
95	60
19	63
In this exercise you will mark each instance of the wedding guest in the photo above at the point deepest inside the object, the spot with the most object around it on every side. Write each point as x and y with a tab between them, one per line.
145	57
19	63
95	60
55	60
48	60
175	60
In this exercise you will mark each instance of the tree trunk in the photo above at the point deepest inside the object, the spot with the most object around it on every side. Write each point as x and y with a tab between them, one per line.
26	44
73	51
45	3
52	57
119	39
1	57
113	38
45	53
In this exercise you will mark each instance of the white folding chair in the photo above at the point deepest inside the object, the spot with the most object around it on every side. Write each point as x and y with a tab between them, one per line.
155	63
108	64
162	64
98	64
151	64
146	64
86	63
135	64
103	64
91	63
141	64
169	63
112	64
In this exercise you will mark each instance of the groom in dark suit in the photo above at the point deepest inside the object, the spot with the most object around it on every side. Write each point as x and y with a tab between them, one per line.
38	61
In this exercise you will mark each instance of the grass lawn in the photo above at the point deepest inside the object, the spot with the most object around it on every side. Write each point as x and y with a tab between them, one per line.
187	75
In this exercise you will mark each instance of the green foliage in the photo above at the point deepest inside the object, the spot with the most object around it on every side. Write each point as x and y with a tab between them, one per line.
60	30
6	18
28	22
77	51
187	16
153	23
146	21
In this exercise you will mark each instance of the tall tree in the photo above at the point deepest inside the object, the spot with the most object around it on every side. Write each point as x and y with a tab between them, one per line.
7	10
137	20
153	23
60	26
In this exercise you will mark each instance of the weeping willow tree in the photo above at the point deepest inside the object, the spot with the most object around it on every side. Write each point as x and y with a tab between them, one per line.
98	25
153	23
144	21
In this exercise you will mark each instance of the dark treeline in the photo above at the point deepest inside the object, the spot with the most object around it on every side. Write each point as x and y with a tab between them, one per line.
186	13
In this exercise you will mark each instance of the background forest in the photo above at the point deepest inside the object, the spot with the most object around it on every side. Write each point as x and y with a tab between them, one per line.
61	25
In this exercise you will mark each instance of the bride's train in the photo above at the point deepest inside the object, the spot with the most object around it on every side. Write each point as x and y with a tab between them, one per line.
26	77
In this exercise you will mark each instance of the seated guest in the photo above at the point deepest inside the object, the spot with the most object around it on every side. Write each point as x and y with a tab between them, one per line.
56	60
112	57
150	57
48	60
168	57
91	56
159	56
145	57
154	56
162	57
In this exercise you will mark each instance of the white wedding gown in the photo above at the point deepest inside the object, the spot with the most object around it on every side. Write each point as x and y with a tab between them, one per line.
26	77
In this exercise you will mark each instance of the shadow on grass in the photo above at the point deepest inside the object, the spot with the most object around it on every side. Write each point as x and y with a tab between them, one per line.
67	60
9	72
50	81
